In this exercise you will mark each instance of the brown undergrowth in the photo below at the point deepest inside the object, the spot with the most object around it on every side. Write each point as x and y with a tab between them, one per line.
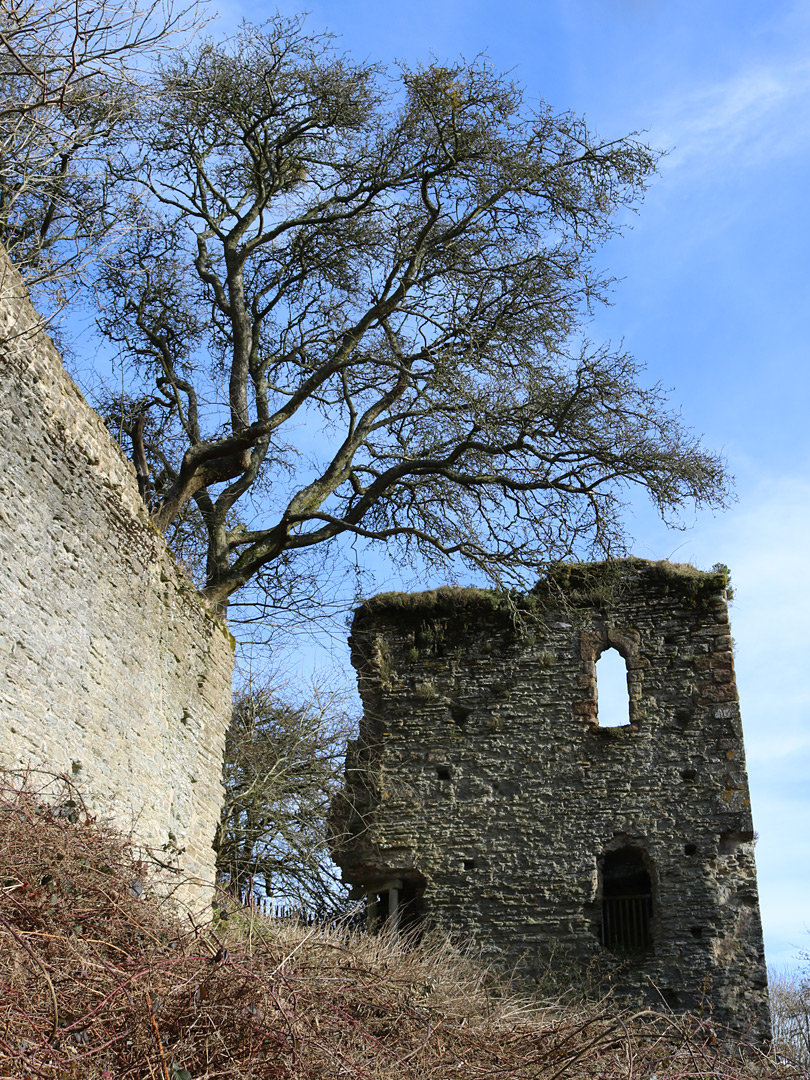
99	979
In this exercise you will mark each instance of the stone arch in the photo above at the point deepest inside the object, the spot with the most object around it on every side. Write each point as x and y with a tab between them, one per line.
594	643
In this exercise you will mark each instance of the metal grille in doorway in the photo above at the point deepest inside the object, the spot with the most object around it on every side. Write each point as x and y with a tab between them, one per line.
626	923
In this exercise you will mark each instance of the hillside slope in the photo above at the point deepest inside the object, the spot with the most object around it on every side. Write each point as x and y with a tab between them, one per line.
99	979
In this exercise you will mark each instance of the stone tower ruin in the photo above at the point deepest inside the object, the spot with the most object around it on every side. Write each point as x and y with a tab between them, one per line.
484	796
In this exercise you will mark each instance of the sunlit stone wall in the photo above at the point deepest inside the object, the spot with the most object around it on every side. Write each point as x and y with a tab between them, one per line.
111	670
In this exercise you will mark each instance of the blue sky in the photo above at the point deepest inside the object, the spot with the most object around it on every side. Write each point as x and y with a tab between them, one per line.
713	298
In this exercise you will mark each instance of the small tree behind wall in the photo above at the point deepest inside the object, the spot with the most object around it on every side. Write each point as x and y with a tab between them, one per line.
283	763
790	1015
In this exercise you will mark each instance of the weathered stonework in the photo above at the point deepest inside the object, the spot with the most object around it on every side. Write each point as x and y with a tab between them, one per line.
111	670
484	796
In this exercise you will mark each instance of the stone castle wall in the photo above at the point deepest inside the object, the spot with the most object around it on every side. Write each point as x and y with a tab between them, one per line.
111	670
483	794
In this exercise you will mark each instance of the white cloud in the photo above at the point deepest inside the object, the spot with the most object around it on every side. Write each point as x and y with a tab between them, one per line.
751	119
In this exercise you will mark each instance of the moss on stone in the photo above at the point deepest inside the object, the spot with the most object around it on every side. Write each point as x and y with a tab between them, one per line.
439	617
598	583
446	600
591	583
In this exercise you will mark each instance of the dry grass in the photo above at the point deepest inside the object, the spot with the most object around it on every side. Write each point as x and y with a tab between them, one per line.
97	981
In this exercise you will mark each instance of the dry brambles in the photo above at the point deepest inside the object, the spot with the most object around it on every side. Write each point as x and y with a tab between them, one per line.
100	979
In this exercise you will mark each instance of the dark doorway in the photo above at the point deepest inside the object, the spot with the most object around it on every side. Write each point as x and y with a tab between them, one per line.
412	908
626	902
397	905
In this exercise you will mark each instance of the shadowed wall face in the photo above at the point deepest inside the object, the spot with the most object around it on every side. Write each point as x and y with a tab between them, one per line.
110	668
484	782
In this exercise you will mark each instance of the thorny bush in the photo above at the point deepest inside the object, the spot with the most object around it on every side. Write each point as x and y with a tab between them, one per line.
100	979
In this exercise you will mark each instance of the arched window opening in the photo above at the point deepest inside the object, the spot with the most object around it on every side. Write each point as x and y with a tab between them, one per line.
626	902
612	698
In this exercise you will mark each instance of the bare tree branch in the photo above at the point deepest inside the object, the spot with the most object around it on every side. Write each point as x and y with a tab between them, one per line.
69	73
359	298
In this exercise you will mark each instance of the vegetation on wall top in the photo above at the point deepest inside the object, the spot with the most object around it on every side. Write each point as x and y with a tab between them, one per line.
592	583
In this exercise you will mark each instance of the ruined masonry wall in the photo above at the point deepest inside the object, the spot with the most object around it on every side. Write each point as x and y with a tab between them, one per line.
482	774
110	668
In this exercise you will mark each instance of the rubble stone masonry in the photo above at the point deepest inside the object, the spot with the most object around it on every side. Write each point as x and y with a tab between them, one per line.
483	795
111	670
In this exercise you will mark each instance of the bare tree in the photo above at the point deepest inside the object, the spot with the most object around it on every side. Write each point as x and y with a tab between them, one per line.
790	1014
357	310
68	73
283	763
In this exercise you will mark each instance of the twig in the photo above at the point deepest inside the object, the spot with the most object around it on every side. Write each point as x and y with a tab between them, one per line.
157	1037
20	941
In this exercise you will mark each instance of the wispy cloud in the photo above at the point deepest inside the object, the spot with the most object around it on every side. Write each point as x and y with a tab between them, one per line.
748	120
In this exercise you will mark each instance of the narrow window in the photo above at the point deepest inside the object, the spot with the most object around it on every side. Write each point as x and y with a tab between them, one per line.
612	698
626	902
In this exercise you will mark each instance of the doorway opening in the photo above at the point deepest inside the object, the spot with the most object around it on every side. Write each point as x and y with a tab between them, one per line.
626	902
